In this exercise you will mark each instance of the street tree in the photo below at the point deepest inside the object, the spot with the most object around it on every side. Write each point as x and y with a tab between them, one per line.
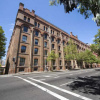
85	7
2	43
96	46
70	51
0	65
88	57
51	57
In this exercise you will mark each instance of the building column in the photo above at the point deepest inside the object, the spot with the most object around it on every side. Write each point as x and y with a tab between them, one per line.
57	60
30	69
15	51
84	65
41	52
76	67
62	49
72	64
49	46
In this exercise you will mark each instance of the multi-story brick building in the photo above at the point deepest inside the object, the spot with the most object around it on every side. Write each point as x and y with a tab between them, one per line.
32	39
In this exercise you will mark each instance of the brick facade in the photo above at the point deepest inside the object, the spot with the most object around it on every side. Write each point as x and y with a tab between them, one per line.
34	23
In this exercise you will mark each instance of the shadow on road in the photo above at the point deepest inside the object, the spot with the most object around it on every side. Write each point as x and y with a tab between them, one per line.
88	85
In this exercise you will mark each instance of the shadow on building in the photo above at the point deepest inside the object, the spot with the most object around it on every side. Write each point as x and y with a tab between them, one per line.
7	67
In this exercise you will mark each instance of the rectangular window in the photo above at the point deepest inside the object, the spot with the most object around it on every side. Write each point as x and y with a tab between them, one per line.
53	62
36	51
25	18
21	69
60	62
52	39
38	25
51	31
36	41
23	49
45	52
44	28
63	42
45	61
59	54
58	41
45	36
36	33
53	46
45	44
58	34
58	47
35	23
28	19
25	29
22	61
24	38
35	62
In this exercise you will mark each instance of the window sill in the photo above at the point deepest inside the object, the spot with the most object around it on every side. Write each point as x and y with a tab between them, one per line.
26	33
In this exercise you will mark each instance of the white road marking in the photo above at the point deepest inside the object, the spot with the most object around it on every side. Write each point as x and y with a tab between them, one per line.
46	76
44	89
70	74
6	76
42	79
56	77
75	72
66	83
63	90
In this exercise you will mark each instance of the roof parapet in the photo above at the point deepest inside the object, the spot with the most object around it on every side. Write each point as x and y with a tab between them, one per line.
21	6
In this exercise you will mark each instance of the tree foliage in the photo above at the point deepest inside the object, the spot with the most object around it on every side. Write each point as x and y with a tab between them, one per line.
0	65
88	57
85	7
70	51
96	46
52	56
2	43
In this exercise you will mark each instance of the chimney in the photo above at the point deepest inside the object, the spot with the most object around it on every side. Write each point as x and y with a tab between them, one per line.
71	33
33	12
21	6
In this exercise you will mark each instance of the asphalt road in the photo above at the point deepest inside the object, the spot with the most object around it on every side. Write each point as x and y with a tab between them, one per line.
66	85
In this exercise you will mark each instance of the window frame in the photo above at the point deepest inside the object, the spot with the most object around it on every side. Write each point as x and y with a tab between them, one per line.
23	49
35	64
35	52
36	43
25	30
24	38
21	61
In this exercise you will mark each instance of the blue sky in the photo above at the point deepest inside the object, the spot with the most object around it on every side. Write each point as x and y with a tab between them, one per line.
85	29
